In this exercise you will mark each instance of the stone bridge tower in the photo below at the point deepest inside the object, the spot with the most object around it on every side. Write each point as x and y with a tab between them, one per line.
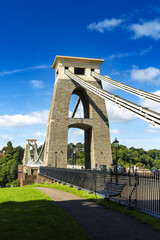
95	122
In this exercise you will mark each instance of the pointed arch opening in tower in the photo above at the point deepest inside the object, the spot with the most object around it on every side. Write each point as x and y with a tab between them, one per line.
76	109
78	106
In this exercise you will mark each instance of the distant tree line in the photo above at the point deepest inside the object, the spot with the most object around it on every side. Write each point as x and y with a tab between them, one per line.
11	157
126	156
136	156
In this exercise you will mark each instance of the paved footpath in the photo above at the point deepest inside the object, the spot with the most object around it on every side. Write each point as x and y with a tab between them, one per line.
100	222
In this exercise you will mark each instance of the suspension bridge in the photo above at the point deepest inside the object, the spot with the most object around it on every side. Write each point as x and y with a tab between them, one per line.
82	76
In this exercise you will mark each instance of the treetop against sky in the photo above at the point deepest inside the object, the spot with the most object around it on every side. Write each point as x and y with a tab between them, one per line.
126	34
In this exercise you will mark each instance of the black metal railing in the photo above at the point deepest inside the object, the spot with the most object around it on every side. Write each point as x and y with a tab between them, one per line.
148	194
141	190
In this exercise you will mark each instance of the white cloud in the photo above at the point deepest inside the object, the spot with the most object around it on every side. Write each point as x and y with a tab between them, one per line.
146	29
78	132
117	114
40	144
39	134
151	104
106	24
129	54
36	84
106	86
115	72
148	75
79	113
19	120
119	55
8	72
152	131
6	137
70	114
143	52
115	131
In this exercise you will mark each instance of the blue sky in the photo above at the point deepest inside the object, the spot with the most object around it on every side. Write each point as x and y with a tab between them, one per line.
126	34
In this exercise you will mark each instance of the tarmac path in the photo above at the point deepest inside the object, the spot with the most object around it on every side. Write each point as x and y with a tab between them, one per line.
99	222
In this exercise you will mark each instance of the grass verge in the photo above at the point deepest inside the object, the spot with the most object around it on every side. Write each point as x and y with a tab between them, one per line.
144	218
27	213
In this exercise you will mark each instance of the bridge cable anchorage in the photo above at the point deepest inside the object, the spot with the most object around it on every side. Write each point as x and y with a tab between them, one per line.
132	90
142	112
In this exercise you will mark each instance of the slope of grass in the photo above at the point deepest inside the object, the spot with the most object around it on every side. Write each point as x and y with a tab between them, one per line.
27	214
144	218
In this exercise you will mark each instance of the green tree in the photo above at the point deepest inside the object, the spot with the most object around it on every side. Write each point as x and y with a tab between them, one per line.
20	151
9	163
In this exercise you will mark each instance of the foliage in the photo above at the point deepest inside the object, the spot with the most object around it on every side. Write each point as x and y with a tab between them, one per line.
27	213
76	154
136	156
14	183
9	161
126	156
39	149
